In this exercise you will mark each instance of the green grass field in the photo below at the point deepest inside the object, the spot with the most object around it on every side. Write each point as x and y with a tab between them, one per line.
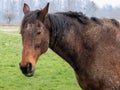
52	73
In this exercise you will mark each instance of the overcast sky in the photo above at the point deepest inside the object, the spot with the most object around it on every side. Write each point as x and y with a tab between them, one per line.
101	3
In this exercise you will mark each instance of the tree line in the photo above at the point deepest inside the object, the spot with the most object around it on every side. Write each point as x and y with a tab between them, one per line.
11	10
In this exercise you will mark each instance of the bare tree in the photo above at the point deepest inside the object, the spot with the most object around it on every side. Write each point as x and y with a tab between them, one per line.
13	11
10	11
9	16
90	8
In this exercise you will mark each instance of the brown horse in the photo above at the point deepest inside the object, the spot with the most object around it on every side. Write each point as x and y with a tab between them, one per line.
90	45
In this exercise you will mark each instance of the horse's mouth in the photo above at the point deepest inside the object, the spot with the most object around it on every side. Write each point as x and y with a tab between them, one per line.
29	74
27	69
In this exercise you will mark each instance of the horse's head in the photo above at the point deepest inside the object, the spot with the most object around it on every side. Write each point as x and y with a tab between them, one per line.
35	38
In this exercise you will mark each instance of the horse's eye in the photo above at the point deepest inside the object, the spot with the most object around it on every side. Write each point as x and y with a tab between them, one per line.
38	33
39	25
37	46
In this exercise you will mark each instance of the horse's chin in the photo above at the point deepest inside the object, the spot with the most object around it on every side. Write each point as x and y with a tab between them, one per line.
30	74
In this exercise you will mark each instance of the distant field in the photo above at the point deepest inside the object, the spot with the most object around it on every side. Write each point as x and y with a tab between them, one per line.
13	29
52	73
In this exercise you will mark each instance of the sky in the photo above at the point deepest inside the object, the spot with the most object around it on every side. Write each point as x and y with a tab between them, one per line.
101	3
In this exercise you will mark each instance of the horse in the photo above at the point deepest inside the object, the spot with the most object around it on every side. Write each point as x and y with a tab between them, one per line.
90	45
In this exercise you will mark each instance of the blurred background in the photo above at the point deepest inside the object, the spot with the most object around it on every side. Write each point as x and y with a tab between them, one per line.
11	10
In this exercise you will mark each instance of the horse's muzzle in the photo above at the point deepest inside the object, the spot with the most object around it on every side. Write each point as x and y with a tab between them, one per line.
27	69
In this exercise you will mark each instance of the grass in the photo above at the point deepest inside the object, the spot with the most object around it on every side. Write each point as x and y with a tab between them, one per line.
52	73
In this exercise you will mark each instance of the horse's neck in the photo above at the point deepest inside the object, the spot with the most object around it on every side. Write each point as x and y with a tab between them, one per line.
64	45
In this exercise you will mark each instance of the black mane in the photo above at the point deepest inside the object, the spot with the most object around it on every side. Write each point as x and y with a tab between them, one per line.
61	21
76	15
115	22
96	20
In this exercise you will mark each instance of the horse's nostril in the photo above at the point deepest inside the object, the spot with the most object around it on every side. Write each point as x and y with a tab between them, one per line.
29	67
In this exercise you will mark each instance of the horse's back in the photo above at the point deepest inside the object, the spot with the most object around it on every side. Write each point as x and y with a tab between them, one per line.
103	59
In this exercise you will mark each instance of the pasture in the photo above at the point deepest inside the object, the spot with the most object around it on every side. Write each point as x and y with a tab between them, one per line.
52	73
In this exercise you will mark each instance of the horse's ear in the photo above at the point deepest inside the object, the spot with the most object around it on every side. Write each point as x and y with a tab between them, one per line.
26	8
44	11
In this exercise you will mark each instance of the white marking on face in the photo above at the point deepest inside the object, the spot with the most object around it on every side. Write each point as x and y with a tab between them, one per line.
28	26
